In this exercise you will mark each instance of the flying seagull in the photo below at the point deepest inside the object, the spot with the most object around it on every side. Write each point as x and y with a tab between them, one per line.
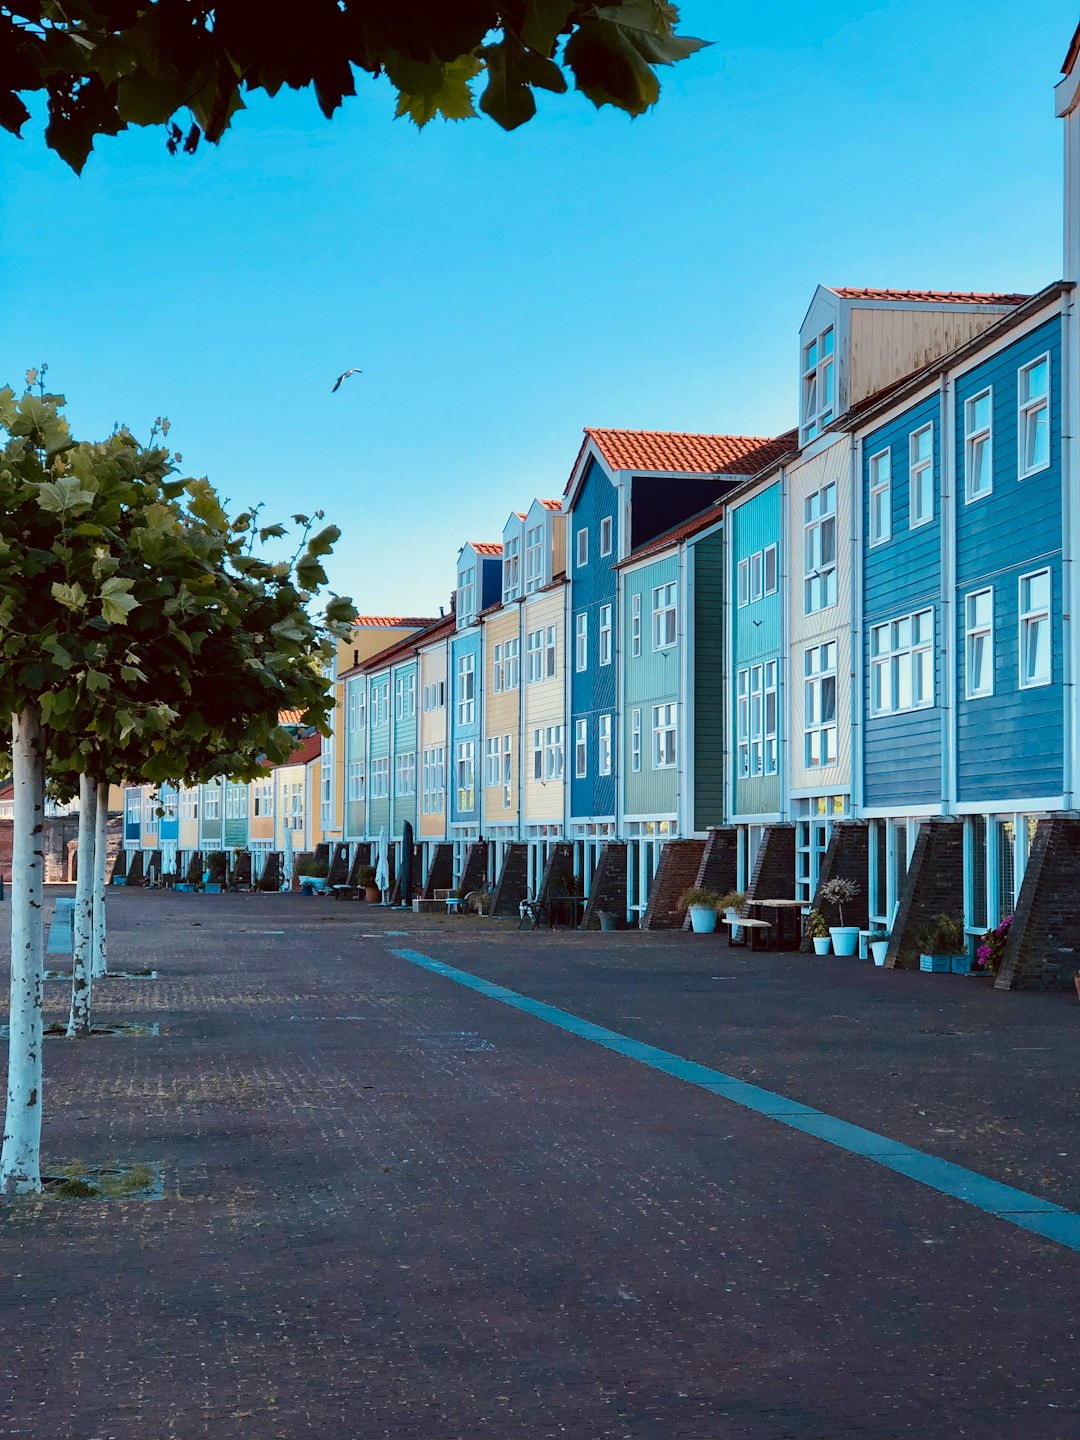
344	376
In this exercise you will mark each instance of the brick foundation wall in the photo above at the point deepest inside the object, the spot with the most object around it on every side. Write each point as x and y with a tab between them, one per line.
608	889
135	867
847	858
513	883
271	872
60	831
474	875
558	876
774	868
396	897
114	851
680	861
441	874
1043	948
719	868
933	886
339	865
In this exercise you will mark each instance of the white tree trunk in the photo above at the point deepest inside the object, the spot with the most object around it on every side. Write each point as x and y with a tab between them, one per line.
100	965
20	1160
79	1018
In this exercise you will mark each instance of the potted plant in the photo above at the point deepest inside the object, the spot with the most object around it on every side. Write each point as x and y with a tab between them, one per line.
815	929
215	872
990	950
941	942
608	919
703	906
879	945
840	892
731	903
312	872
365	878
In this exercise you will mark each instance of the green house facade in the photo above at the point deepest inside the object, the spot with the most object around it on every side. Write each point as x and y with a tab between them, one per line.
756	637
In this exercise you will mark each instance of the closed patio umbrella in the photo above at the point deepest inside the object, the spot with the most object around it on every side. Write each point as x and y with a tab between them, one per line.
286	859
382	863
406	863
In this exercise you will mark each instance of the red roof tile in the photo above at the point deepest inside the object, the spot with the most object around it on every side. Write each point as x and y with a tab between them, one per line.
307	750
486	547
394	622
291	717
682	454
928	297
407	645
551	504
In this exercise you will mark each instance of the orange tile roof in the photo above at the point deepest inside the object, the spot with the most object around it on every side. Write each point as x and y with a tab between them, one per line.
394	622
408	645
928	297
307	750
551	504
486	547
290	717
682	454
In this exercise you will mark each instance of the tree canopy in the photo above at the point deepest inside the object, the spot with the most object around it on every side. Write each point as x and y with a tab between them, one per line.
102	65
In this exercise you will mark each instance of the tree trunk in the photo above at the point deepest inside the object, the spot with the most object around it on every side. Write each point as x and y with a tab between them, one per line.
100	965
20	1160
79	1018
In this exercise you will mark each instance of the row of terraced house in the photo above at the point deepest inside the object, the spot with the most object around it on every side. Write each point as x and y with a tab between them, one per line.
752	662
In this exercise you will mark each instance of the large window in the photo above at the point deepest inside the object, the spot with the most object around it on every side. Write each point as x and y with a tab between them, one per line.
434	695
466	689
433	777
664	604
880	497
508	771
211	802
466	774
380	702
581	748
263	798
978	445
605	647
581	641
818	384
1034	400
757	575
405	773
603	743
512	568
534	656
405	696
665	738
1035	662
354	707
492	761
236	800
819	719
921	477
902	664
538	754
466	595
380	778
189	803
756	749
819	520
355	789
534	558
511	676
979	643
496	670
553	752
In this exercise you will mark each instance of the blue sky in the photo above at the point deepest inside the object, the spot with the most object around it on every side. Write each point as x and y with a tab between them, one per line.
502	291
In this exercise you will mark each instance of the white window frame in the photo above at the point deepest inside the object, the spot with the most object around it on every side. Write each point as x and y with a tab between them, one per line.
212	805
466	698
511	665
492	762
551	640
819	666
534	656
496	670
742	723
508	771
879	528
757	579
974	630
635	739
742	577
553	752
534	558
920	470
380	778
665	736
581	748
770	560
1032	410
1029	616
512	568
819	574
405	774
581	548
770	705
356	778
466	595
581	641
604	748
465	774
897	653
607	530
635	625
975	436
538	754
665	616
605	648
818	376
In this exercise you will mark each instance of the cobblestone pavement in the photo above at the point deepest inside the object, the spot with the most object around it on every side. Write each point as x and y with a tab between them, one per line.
396	1208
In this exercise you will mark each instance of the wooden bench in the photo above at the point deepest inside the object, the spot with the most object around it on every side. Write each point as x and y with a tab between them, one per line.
755	928
436	900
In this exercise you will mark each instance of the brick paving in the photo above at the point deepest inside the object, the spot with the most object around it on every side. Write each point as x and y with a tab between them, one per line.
395	1208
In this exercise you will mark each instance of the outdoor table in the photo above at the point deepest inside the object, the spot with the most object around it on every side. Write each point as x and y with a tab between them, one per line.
788	936
566	910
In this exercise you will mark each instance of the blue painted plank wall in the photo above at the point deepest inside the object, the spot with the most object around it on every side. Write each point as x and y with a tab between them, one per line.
756	631
467	642
592	691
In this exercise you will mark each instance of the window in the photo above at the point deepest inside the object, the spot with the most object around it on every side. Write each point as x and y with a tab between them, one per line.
581	641
743	573
818	384
605	535
212	806
549	652
133	808
635	625
262	802
434	696
771	569
356	780
921	477
466	774
582	547
819	520
512	568
553	752
149	813
326	784
538	754
978	446
380	778
534	558
168	804
755	576
979	643
508	771
496	670
742	723
665	746
635	740
534	656
880	497
603	740
405	696
466	693
189	804
466	595
293	804
354	707
236	795
769	724
511	665
380	702
819	718
605	634
1035	662
581	749
405	773
1034	398
902	664
433	780
492	761
755	720
663	613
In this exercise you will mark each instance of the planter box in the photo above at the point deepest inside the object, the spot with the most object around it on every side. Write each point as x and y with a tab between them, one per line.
961	964
183	887
211	888
119	879
937	964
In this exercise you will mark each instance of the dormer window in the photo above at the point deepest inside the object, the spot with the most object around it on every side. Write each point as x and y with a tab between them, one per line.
534	558
512	568
818	385
466	595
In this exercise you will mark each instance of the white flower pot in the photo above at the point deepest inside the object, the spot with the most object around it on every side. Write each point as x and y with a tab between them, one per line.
879	949
822	945
845	939
702	919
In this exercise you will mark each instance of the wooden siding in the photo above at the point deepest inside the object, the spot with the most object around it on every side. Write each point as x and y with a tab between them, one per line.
466	642
210	831
650	679
756	636
889	343
830	466
544	704
433	731
378	808
235	828
707	571
189	829
403	742
502	713
283	776
354	748
593	690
